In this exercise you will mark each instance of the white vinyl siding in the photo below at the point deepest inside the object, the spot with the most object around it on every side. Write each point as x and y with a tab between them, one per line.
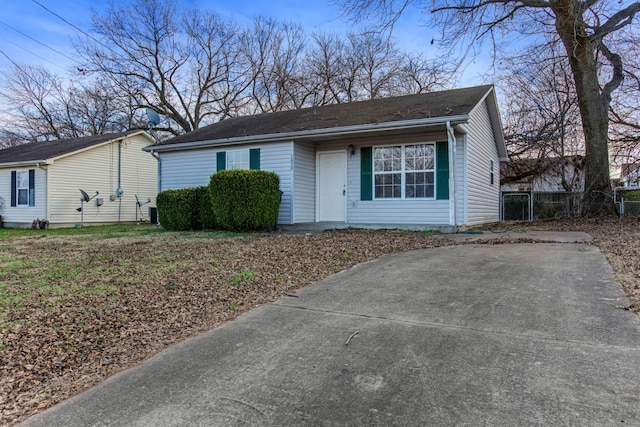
304	182
460	177
184	169
482	198
193	168
96	170
387	211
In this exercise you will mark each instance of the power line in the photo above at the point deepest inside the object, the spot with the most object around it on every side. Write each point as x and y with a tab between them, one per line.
69	23
39	42
33	53
12	61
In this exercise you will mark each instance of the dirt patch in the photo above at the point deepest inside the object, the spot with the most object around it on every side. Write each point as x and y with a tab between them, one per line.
76	309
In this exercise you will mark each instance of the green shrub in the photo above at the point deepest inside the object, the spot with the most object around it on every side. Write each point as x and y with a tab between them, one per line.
245	200
205	218
177	209
631	195
186	209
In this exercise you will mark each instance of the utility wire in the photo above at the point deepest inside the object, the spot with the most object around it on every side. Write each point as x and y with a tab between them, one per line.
33	53
11	60
69	23
39	42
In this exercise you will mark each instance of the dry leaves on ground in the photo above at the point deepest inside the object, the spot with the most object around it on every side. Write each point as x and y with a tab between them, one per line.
74	310
78	309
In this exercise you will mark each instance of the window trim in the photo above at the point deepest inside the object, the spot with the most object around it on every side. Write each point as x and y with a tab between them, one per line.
403	172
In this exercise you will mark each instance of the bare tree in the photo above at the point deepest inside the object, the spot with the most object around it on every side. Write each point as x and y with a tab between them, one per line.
274	51
326	65
44	106
183	65
36	99
584	27
195	69
542	121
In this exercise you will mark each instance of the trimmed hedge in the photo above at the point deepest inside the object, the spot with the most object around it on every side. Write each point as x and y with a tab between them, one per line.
245	200
206	220
185	209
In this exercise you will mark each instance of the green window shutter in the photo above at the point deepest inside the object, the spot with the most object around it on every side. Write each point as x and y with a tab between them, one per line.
14	202
366	173
221	160
442	170
254	158
32	187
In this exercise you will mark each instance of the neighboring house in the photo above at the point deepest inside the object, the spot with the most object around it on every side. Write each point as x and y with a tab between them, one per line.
41	180
427	161
630	175
547	175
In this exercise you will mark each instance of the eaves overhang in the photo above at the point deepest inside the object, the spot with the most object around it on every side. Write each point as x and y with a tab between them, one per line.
336	132
26	163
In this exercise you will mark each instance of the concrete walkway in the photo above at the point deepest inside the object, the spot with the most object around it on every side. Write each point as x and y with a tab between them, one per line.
469	335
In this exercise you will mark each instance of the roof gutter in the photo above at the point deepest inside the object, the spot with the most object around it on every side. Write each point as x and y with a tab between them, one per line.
36	163
315	133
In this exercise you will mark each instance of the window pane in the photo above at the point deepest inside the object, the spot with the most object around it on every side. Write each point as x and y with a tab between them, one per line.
22	179
238	159
387	185
23	197
419	184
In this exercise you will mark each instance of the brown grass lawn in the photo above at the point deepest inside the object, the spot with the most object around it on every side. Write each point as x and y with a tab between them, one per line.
78	305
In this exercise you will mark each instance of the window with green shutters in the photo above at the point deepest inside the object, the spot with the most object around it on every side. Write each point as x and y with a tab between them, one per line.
23	188
411	171
238	159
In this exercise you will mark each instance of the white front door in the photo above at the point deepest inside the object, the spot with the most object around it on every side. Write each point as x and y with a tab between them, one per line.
332	185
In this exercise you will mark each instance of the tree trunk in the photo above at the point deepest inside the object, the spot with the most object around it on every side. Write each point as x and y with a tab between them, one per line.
594	108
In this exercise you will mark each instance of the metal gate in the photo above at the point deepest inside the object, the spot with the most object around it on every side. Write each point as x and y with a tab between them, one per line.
516	207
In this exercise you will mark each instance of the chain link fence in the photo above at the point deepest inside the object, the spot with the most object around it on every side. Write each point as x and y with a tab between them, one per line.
530	206
627	201
630	208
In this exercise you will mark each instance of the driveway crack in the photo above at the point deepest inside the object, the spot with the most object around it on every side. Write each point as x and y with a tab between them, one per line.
457	327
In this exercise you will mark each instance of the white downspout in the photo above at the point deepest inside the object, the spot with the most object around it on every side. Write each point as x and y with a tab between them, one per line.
159	169
451	138
46	191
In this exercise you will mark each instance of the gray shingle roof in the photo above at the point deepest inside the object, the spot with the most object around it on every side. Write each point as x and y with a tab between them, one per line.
443	104
36	151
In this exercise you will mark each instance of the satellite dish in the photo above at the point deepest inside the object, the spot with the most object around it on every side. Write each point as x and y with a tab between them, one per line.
85	196
153	117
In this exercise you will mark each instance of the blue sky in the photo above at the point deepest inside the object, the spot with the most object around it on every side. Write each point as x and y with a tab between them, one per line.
31	34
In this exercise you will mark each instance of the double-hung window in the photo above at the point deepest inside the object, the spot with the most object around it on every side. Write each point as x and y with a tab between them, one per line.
22	188
238	159
404	171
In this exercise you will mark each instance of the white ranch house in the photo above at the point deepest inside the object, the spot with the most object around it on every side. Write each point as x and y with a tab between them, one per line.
41	180
427	161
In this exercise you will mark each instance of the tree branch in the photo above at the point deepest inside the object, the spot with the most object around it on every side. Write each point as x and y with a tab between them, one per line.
620	19
617	72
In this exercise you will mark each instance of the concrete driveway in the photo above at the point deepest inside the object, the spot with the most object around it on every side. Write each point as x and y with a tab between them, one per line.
477	335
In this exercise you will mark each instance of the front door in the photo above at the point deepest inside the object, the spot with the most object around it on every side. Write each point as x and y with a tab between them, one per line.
332	185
